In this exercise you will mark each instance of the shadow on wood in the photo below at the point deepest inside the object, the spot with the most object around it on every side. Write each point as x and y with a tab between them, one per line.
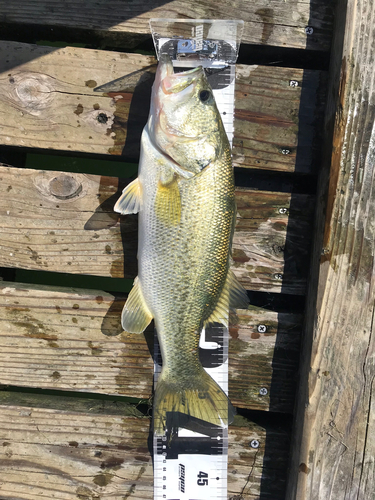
104	217
299	264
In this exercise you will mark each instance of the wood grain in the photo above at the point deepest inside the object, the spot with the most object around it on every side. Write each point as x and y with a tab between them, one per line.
278	115
47	101
53	338
90	453
126	24
60	222
333	444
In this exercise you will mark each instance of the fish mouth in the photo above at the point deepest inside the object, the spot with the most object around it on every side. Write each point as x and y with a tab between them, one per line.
174	88
173	83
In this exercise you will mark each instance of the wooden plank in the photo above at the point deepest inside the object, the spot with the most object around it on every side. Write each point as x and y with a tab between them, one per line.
272	239
333	445
47	101
278	114
53	338
267	22
61	222
90	453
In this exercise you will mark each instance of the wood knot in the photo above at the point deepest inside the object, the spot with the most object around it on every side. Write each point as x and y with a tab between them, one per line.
32	92
65	187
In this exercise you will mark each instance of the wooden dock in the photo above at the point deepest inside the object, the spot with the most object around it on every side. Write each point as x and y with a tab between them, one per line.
75	390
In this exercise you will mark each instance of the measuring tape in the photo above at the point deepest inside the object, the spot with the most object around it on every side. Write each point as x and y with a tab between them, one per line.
192	463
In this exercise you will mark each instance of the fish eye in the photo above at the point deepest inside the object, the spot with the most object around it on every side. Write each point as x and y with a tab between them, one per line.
204	95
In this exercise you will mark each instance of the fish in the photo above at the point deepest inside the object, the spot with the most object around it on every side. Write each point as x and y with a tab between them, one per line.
184	194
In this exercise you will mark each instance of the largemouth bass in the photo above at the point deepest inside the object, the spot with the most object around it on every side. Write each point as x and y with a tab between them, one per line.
184	194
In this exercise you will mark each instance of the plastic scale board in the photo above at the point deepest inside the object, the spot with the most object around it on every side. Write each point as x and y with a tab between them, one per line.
191	462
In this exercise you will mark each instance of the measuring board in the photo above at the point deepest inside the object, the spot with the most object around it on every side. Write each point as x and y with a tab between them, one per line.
191	462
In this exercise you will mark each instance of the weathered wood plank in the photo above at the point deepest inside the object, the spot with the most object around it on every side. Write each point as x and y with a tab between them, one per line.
334	447
278	115
67	453
47	101
263	350
267	22
272	239
65	223
47	97
73	340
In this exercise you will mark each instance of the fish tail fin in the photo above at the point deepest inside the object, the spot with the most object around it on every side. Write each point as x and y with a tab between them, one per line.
200	397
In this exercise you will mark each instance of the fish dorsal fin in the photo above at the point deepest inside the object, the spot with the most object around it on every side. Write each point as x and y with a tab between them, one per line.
233	296
168	202
130	200
135	315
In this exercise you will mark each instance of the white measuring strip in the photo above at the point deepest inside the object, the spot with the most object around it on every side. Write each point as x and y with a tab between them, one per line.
225	103
180	471
195	466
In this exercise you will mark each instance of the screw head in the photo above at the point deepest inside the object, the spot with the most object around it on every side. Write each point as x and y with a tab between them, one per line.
278	276
285	151
293	83
309	30
102	118
262	328
283	210
263	391
254	443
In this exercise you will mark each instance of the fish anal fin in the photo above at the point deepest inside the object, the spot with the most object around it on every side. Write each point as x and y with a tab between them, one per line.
135	315
168	202
233	296
130	200
238	298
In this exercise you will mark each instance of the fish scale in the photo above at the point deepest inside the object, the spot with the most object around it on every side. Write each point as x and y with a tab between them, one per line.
185	269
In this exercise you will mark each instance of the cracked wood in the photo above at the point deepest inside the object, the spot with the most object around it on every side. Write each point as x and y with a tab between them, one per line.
82	449
126	24
334	445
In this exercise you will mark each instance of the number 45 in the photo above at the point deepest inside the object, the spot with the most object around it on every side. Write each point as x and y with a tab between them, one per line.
202	479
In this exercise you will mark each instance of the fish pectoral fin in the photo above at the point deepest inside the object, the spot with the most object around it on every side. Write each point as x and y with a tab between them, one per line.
130	200
135	315
168	202
233	296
